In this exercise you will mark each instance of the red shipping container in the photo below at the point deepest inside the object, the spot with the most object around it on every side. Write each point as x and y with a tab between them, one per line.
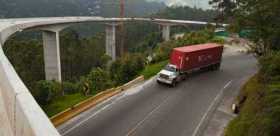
196	56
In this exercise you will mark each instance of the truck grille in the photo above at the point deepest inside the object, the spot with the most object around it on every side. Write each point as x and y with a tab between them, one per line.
164	76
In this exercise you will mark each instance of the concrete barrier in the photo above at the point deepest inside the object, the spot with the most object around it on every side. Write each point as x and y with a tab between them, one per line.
20	113
91	102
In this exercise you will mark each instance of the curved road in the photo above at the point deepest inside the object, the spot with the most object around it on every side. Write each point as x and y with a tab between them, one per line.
157	110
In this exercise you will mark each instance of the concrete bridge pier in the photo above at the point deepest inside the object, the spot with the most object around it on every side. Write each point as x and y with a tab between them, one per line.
52	51
111	40
52	55
166	32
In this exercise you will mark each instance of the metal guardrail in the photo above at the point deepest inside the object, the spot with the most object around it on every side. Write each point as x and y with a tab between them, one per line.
91	102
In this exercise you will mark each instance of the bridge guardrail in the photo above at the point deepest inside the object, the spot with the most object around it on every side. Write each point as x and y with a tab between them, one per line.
23	116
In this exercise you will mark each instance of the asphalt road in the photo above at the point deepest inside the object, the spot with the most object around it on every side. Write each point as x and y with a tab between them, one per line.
158	110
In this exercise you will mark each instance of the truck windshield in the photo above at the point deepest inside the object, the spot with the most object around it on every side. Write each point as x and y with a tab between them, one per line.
170	68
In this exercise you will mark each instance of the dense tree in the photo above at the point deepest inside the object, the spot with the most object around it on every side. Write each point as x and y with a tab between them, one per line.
126	68
259	18
27	58
259	98
143	36
262	18
80	55
98	80
163	50
43	8
71	51
225	7
186	13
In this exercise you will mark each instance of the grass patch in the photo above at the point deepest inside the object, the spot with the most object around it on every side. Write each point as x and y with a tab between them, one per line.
250	102
60	104
153	69
249	88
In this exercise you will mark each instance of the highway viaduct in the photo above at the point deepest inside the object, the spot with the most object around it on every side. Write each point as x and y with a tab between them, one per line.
20	115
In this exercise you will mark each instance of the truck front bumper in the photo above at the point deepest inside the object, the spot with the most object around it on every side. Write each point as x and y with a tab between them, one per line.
162	80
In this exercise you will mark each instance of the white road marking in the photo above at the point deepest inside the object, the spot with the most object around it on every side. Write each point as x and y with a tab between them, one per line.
228	84
94	114
147	116
210	108
80	123
135	90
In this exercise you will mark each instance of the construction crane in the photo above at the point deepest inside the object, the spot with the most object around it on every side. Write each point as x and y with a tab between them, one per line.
122	8
121	4
122	31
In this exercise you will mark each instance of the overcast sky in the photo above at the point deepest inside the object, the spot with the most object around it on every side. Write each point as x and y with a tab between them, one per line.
198	3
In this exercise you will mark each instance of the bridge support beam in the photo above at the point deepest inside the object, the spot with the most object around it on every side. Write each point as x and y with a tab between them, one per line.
52	55
52	50
111	40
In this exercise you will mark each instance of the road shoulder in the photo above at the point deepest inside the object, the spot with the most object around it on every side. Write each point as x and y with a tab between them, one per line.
223	114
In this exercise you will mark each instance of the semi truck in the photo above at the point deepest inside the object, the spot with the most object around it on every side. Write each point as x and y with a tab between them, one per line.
185	60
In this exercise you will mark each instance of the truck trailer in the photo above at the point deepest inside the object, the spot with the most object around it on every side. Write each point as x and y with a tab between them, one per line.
187	59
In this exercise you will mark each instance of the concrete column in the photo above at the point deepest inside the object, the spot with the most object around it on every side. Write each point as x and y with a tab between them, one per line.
111	41
166	32
52	55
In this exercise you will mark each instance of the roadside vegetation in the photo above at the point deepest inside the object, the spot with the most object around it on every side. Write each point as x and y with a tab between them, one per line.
85	69
62	103
152	69
259	100
86	74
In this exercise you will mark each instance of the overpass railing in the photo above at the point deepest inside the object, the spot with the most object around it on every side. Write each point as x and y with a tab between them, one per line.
20	115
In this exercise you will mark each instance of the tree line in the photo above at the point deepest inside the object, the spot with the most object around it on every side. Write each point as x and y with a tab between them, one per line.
85	68
259	98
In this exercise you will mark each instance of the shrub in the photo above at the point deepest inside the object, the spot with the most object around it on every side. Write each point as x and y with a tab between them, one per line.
153	69
270	67
97	80
126	68
218	40
70	88
45	91
83	86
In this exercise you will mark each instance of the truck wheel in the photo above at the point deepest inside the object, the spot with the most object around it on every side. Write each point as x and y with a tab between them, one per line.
217	67
158	82
212	67
184	77
174	83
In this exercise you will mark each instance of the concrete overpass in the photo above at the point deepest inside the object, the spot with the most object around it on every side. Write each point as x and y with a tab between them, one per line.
20	114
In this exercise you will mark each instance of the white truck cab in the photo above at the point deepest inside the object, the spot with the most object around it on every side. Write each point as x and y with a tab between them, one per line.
169	75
